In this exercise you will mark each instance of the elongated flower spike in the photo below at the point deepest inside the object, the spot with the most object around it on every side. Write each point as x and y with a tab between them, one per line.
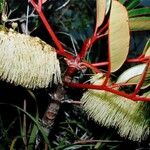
110	110
27	61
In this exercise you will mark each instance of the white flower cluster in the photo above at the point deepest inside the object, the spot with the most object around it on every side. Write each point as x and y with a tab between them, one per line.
27	61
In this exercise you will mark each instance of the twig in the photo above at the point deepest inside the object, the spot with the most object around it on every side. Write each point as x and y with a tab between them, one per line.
72	102
27	21
64	5
96	141
24	124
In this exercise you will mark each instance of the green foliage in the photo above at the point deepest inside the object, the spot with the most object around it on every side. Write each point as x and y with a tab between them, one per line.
139	12
122	1
1	5
133	4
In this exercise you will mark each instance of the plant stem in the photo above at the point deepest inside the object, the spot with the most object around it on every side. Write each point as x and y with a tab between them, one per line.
108	89
96	141
24	124
61	50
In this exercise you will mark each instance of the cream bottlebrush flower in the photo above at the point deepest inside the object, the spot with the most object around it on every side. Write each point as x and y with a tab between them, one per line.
27	61
130	118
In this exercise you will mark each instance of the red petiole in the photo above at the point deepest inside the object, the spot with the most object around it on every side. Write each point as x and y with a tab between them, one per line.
109	89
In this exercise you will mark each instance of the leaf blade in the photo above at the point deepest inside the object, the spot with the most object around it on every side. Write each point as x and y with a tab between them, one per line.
122	1
139	12
146	50
139	23
133	4
131	73
100	12
118	33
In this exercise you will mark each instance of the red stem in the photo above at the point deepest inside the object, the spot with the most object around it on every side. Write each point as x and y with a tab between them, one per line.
90	66
86	46
104	28
49	29
109	89
89	42
100	64
40	4
141	58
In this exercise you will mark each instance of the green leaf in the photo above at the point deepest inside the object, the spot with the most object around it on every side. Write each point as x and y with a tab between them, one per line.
122	1
33	136
1	5
147	48
139	12
132	4
119	36
36	122
139	23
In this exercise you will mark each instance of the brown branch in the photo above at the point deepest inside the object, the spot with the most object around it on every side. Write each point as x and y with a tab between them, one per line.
52	110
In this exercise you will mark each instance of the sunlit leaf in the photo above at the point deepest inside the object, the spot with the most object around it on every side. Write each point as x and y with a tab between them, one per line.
132	4
147	47
139	23
131	73
147	52
108	5
100	11
139	12
118	35
147	94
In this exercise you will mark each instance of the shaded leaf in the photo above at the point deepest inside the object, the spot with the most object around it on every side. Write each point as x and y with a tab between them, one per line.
118	35
133	3
147	48
122	1
100	11
139	12
139	23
